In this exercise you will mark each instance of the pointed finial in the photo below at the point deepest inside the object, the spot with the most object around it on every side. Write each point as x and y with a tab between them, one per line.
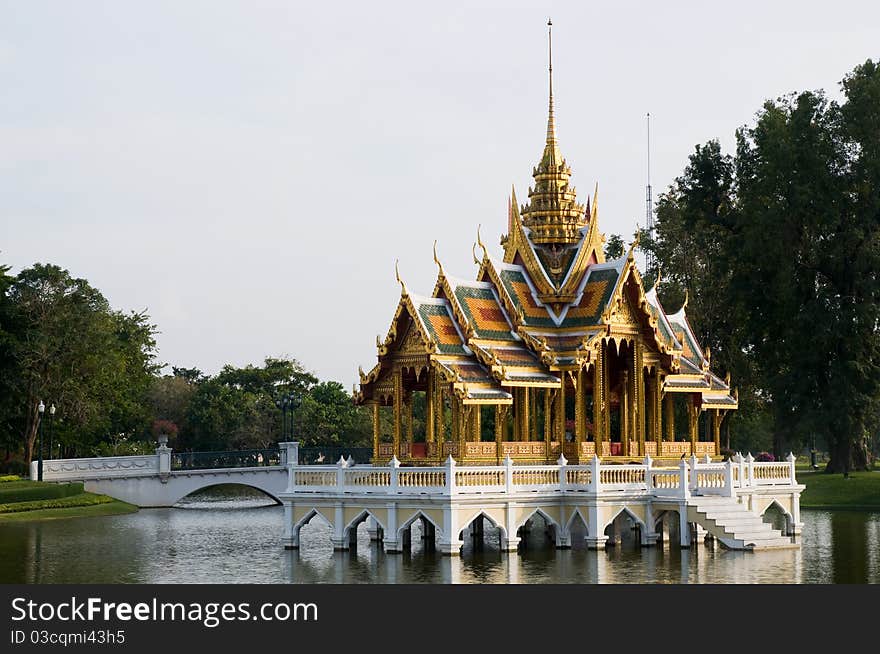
397	275
436	258
686	296
480	242
659	277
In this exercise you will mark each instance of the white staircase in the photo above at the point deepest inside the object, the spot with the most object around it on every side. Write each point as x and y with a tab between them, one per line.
734	525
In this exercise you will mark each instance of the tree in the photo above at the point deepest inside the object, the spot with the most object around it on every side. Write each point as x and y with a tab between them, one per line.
614	246
328	416
779	250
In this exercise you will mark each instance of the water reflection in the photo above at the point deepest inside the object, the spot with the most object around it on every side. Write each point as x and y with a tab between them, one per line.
237	540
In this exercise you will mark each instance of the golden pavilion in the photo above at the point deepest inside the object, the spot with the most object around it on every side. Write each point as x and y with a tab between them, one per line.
552	350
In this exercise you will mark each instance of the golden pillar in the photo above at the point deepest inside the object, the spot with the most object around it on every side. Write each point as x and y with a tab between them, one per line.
669	403
599	398
439	415
717	417
580	408
500	428
658	409
476	420
409	418
517	410
429	408
533	415
560	412
639	396
624	413
693	424
548	418
398	409
456	418
524	427
376	427
606	395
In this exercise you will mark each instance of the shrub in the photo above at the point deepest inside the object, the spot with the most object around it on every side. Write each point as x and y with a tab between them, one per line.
82	499
14	467
764	457
16	492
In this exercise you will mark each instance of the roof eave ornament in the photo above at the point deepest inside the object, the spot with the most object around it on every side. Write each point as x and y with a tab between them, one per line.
403	291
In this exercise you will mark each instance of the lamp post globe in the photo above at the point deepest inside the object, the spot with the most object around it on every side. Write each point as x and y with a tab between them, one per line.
51	420
40	409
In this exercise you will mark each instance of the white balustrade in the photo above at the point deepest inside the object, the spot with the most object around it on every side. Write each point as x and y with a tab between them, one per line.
689	478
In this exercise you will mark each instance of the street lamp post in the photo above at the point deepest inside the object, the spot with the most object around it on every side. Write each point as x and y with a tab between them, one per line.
40	410
51	420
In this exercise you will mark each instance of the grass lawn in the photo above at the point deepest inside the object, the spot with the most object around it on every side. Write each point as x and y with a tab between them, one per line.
21	499
860	491
113	507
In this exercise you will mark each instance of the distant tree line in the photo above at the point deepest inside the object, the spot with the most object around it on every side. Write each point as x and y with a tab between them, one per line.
778	249
62	344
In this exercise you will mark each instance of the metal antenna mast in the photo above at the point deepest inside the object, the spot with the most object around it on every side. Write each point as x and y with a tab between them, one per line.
649	202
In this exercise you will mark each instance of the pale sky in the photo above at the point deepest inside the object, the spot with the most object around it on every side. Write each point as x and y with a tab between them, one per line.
248	172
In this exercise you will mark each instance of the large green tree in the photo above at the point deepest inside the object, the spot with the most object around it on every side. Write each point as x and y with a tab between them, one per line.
73	351
779	251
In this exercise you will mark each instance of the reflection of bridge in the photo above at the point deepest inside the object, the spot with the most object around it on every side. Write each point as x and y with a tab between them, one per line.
727	501
164	478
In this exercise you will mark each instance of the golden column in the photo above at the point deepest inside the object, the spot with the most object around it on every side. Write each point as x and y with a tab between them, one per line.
580	408
524	414
429	407
409	419
639	395
376	428
658	409
439	416
517	410
717	417
533	415
669	403
693	423
456	419
624	413
500	428
398	409
476	420
606	395
560	413
599	397
548	419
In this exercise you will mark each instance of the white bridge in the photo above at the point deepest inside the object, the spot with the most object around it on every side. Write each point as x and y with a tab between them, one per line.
150	480
696	499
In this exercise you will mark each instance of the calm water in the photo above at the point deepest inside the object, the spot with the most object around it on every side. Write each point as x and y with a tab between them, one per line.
234	539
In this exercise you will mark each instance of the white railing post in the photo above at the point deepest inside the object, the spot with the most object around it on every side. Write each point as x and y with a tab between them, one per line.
649	481
683	479
750	462
562	462
164	454
289	453
340	475
508	475
394	475
693	480
450	475
741	470
595	482
728	479
791	459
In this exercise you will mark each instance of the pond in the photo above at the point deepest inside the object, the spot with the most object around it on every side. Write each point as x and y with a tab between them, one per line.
229	536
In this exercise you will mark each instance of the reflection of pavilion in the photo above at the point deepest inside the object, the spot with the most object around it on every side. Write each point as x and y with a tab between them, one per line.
550	345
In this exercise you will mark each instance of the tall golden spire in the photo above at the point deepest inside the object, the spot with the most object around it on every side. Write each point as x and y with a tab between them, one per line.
551	121
553	215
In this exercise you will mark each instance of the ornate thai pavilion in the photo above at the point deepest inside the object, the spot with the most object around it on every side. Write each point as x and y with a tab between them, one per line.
551	350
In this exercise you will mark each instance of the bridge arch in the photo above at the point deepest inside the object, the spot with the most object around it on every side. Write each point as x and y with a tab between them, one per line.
351	528
438	529
784	520
551	522
211	484
497	524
